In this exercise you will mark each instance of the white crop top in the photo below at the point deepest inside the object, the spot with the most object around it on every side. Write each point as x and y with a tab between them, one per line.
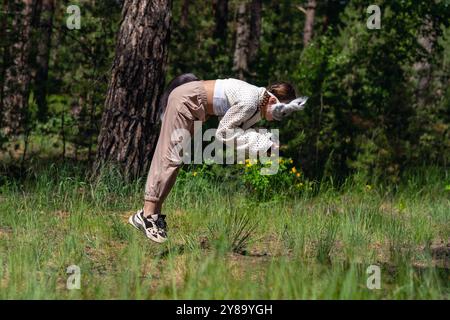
220	101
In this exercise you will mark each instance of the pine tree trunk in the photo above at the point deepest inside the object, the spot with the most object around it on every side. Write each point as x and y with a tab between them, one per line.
248	32
17	74
220	28
130	124
221	19
309	21
255	28
3	51
423	68
185	13
44	35
240	61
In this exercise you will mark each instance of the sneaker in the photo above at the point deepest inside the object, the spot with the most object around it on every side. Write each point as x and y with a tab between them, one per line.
154	230
162	227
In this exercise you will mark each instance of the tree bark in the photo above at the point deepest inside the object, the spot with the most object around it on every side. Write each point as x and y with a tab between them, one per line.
45	27
427	39
185	13
240	61
309	21
221	19
248	32
255	28
17	74
220	28
130	125
3	51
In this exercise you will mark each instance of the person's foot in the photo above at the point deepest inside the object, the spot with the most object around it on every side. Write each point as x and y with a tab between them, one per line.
154	230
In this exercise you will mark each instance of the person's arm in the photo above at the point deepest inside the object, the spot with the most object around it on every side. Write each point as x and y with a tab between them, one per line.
230	132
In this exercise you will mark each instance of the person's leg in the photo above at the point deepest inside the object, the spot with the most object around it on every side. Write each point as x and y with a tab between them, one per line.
152	207
165	162
161	177
185	105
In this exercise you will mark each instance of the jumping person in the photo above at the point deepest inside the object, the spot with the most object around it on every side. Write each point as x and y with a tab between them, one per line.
187	99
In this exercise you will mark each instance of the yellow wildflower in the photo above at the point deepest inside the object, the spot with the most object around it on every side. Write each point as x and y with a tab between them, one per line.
293	170
291	161
297	174
194	173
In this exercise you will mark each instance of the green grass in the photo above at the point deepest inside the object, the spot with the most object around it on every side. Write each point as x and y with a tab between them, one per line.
224	243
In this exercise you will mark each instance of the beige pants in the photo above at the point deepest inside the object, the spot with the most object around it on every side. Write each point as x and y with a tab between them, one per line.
186	104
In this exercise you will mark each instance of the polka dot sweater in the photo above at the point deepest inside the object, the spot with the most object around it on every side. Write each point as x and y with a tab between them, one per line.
244	100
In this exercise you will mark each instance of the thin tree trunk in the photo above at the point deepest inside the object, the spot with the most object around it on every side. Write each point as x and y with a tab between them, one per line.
309	21
26	141
221	19
130	125
16	85
248	32
220	28
423	68
42	55
92	109
63	133
3	51
255	28
185	13
240	61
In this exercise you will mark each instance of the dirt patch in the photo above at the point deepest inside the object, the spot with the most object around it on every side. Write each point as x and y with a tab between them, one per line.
5	232
104	258
61	214
124	216
252	265
440	253
389	208
271	245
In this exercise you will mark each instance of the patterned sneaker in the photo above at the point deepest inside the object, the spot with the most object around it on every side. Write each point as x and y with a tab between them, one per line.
162	227
154	230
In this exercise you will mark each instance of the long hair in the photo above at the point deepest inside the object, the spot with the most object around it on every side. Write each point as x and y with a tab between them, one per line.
284	91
